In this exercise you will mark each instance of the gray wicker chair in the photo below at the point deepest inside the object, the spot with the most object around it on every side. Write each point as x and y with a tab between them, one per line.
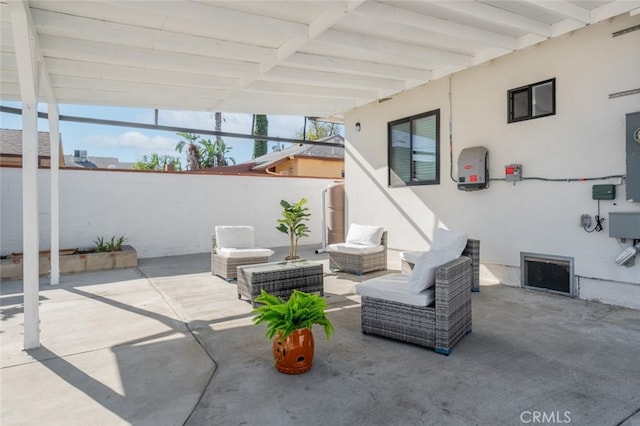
472	251
360	263
225	266
440	325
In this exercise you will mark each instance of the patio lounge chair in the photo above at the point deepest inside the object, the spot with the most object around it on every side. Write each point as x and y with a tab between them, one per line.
471	250
365	250
398	306
233	246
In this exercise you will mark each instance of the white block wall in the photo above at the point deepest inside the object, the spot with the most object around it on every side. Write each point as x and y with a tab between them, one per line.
159	214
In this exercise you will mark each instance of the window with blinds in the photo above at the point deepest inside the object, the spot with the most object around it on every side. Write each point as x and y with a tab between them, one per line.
414	150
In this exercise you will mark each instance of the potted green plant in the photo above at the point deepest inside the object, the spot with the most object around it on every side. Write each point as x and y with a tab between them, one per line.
289	325
292	224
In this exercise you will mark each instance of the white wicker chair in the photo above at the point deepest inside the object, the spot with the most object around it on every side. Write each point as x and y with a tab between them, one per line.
233	246
358	258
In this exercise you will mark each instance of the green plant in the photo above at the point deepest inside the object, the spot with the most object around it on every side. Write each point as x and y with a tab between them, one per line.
302	310
202	153
157	162
292	223
114	244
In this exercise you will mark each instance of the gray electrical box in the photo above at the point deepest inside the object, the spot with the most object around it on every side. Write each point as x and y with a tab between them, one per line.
473	168
624	225
513	172
633	157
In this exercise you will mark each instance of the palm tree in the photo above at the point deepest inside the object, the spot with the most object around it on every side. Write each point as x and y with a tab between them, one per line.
221	150
202	153
193	151
208	151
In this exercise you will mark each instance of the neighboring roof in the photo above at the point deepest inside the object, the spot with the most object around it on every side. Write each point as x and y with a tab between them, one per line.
316	151
96	163
11	143
259	165
237	169
315	58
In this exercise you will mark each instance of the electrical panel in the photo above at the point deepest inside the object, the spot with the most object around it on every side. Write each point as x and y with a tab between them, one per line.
603	192
633	157
473	169
513	172
624	225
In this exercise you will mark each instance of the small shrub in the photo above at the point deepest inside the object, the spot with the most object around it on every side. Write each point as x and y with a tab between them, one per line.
114	244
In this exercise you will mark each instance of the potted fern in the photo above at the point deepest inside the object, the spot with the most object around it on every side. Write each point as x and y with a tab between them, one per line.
289	325
292	224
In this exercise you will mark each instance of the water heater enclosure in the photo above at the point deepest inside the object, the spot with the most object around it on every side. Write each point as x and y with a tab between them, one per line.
473	169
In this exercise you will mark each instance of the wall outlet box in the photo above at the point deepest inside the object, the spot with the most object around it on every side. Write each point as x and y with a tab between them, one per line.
603	192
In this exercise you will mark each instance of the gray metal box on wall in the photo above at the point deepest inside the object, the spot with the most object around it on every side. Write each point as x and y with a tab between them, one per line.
473	168
633	157
624	225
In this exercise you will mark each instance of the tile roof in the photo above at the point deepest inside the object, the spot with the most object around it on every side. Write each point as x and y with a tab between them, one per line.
11	143
302	150
96	163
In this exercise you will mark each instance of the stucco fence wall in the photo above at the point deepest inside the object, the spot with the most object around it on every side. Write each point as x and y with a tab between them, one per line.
160	214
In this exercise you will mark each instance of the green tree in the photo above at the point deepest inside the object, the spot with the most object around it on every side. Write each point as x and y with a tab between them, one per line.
221	150
158	163
261	127
190	141
319	130
207	153
202	153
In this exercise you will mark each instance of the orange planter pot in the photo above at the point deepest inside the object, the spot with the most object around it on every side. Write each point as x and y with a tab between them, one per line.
294	355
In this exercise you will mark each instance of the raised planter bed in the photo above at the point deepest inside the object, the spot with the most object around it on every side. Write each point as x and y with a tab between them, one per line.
71	261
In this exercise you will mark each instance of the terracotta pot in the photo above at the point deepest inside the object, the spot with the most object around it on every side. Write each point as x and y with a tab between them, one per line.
294	355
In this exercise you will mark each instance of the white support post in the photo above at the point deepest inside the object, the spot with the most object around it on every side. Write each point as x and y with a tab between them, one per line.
54	136
25	43
30	231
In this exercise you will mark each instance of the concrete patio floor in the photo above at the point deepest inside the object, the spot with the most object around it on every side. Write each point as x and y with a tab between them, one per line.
167	343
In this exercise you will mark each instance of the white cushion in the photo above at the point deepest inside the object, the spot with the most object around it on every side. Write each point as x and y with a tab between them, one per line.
411	256
364	234
447	246
246	252
395	287
234	236
449	241
351	248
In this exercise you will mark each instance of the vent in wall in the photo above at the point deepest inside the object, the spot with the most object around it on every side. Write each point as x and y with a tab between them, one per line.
549	273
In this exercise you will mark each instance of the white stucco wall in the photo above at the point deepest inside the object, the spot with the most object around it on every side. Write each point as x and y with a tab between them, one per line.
586	138
159	214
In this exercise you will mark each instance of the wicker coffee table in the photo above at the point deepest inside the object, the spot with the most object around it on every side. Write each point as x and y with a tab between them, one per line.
280	279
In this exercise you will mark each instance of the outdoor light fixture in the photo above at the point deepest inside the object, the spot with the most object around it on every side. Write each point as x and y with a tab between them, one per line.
628	256
358	126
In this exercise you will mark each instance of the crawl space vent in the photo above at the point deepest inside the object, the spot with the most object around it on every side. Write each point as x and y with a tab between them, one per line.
548	273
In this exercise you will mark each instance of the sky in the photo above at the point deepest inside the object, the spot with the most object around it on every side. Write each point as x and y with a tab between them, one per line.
130	144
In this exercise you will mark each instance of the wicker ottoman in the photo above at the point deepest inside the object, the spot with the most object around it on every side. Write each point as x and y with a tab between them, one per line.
280	279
